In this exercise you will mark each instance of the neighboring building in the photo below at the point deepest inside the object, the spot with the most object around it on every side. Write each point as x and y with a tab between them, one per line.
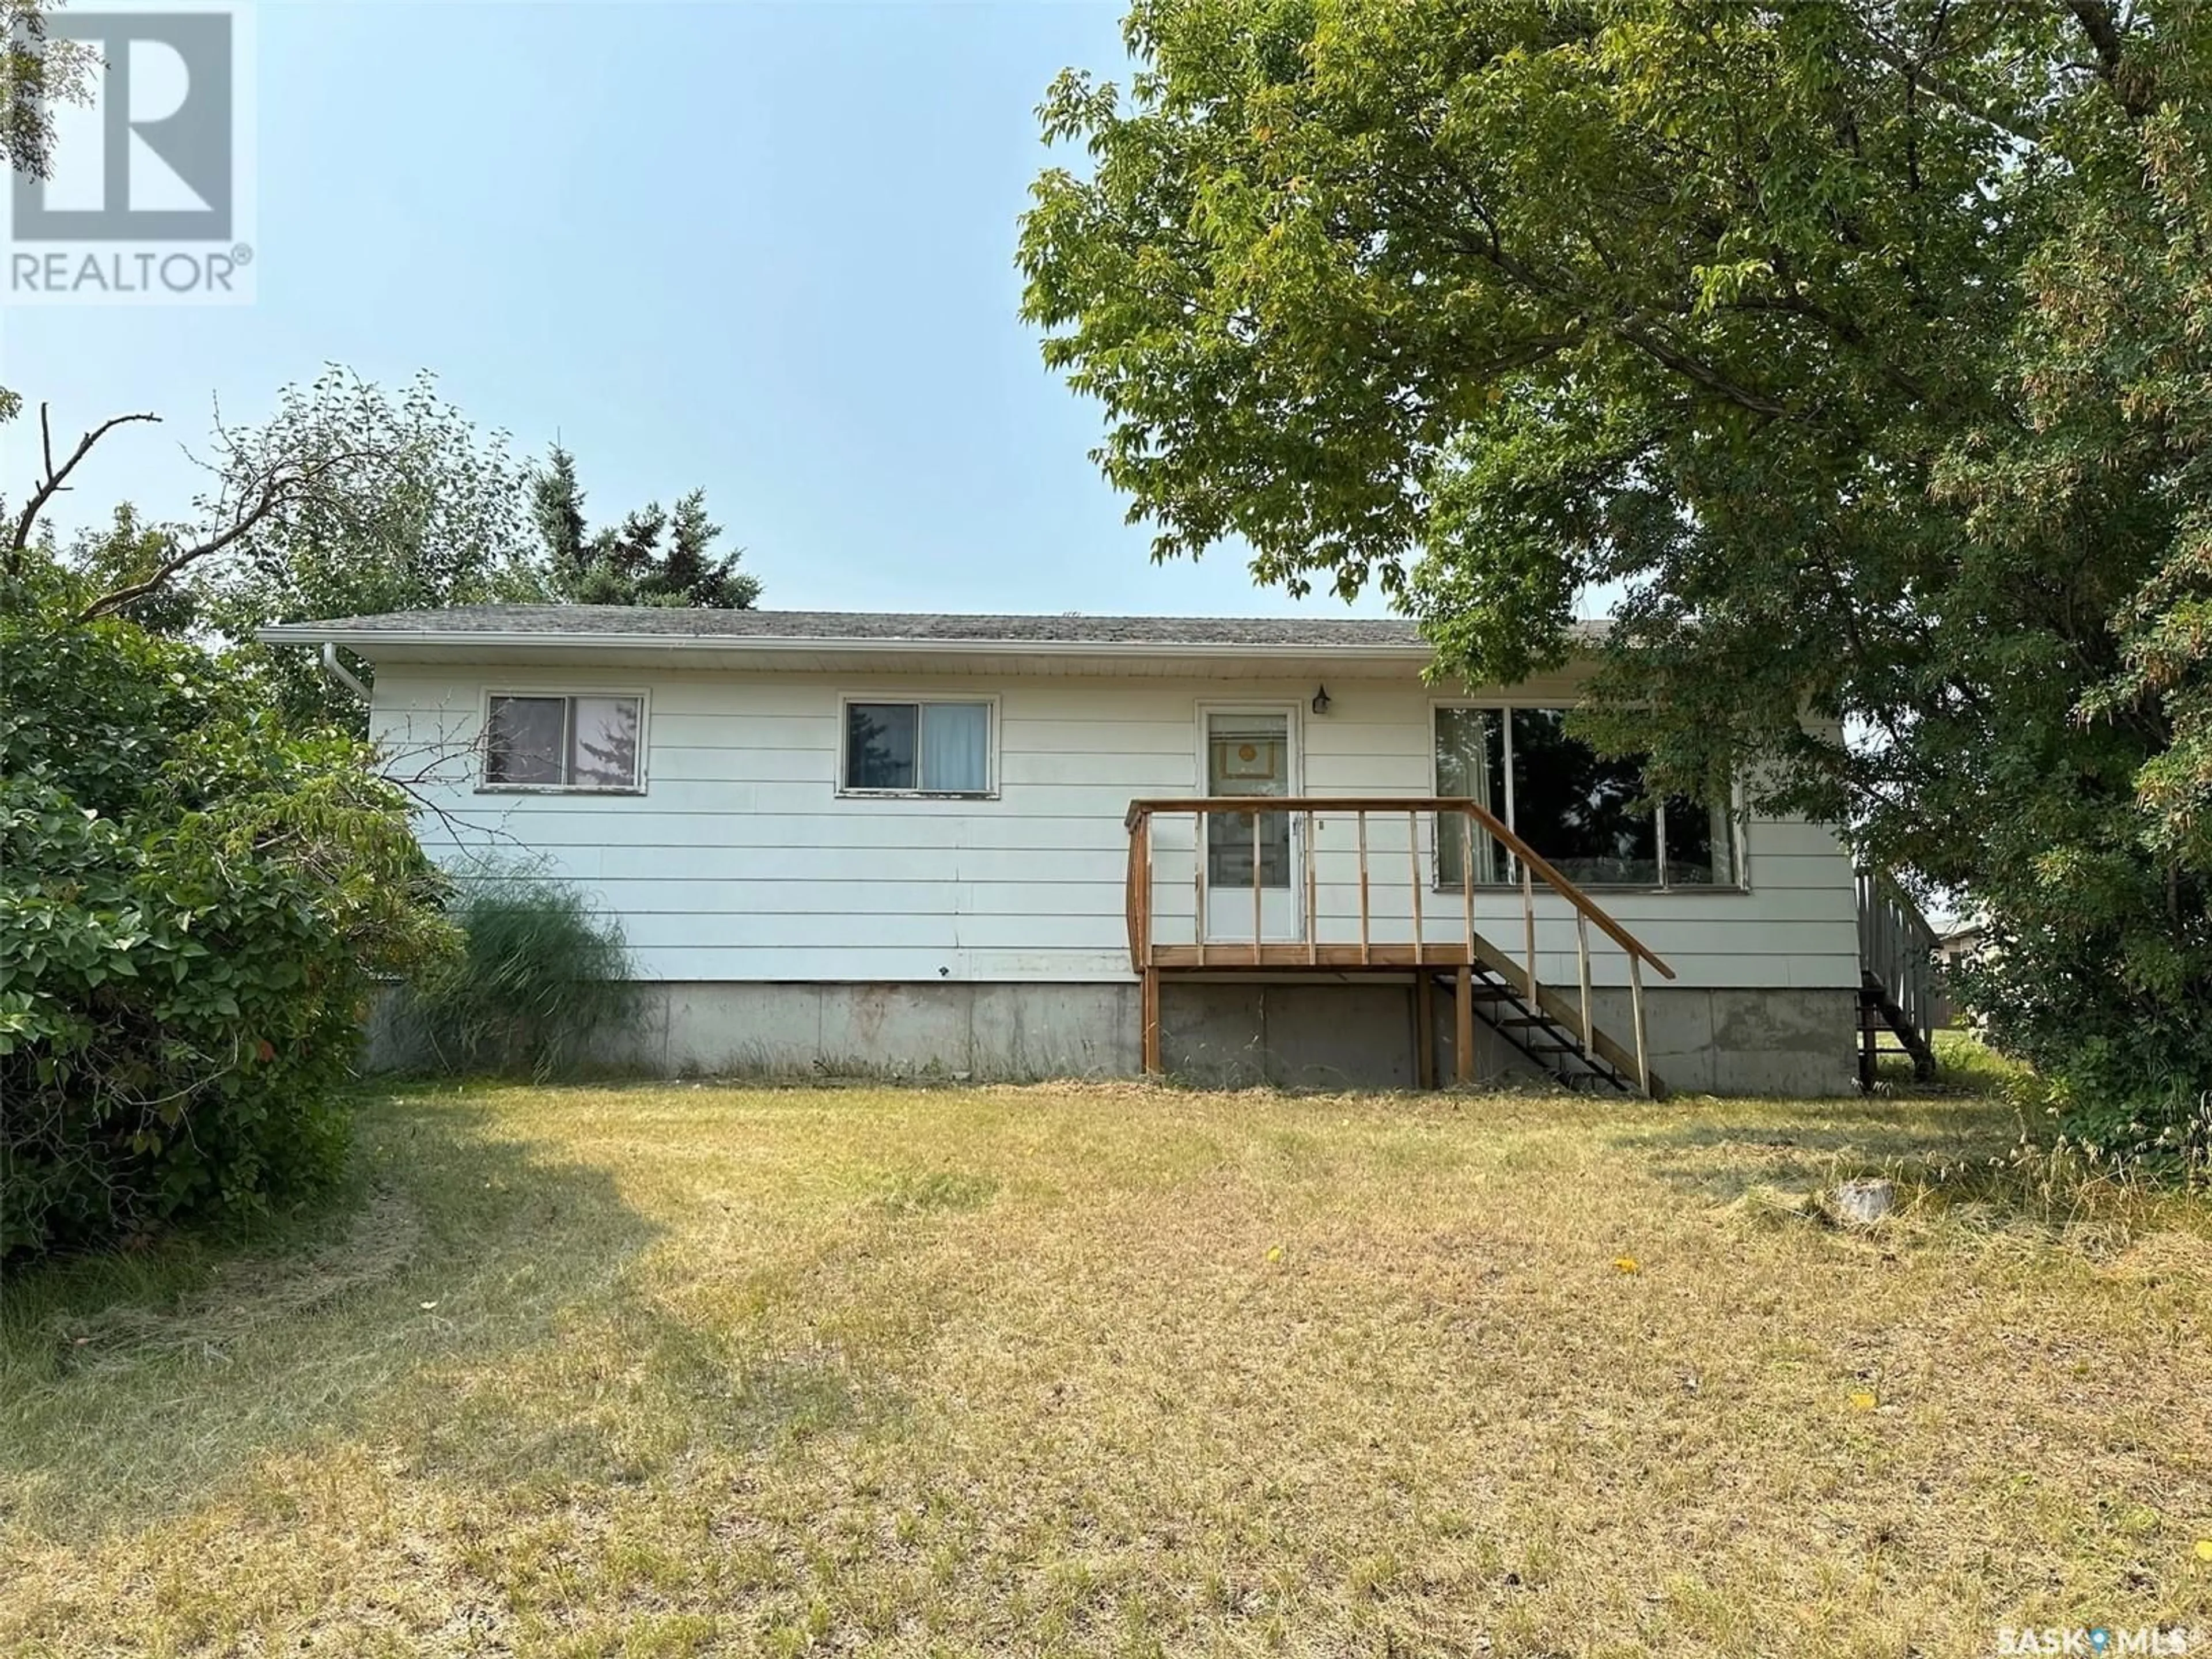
1954	949
969	843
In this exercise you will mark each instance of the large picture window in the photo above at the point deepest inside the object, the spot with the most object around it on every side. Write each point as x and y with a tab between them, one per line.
918	748
1578	809
536	741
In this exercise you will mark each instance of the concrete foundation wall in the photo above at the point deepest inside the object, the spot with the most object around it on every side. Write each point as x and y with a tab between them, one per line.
1333	1034
1795	1043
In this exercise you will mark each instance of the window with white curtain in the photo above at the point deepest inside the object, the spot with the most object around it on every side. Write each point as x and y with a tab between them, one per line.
917	747
535	741
1583	812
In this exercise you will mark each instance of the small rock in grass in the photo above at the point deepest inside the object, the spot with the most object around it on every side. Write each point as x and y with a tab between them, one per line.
1863	1203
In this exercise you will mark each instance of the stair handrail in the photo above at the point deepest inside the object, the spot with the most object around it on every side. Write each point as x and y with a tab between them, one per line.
1897	944
1140	810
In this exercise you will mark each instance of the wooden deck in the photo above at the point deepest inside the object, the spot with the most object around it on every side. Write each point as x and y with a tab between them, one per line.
1558	1033
1400	958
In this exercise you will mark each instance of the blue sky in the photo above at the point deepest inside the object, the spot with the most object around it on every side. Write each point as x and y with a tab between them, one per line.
763	248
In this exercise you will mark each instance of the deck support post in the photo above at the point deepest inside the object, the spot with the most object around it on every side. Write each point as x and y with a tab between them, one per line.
1424	1022
1463	1027
1149	1014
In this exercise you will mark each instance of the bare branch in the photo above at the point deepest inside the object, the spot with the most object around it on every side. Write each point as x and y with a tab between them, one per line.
56	480
428	771
276	486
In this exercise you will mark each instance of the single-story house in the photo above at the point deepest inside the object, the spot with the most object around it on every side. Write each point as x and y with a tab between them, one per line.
1019	846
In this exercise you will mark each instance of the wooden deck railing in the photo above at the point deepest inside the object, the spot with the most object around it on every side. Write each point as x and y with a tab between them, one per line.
1364	950
1897	946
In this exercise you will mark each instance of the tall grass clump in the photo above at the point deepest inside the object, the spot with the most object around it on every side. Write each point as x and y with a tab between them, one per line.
540	985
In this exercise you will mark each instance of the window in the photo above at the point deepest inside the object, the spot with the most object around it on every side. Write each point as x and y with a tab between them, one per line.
563	742
1574	807
1248	754
918	748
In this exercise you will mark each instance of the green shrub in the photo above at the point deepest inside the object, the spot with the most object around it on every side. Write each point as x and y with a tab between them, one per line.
540	984
194	903
2126	1084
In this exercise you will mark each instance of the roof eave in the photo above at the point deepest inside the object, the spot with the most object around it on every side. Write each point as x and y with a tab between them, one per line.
365	639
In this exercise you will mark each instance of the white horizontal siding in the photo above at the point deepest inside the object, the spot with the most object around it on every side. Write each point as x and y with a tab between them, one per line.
871	899
885	963
741	861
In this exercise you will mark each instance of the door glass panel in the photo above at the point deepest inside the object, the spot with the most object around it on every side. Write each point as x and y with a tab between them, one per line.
1247	755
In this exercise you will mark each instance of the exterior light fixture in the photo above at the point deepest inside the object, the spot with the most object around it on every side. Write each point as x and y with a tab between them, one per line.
1321	700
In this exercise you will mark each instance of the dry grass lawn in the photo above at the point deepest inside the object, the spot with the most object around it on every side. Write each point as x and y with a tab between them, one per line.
705	1370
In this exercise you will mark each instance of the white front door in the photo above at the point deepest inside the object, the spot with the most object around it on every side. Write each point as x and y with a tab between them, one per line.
1252	752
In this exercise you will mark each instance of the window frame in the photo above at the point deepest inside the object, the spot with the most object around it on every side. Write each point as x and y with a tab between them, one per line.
1739	848
990	700
567	694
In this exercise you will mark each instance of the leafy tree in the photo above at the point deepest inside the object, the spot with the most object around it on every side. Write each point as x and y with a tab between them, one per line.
351	500
627	563
195	903
410	506
2111	892
136	565
1857	347
348	500
37	72
196	896
121	554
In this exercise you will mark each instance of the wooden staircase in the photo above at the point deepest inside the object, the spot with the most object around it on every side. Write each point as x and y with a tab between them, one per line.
1555	1031
1551	1035
1897	979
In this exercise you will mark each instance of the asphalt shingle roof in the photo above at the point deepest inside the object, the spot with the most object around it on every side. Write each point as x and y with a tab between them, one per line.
655	622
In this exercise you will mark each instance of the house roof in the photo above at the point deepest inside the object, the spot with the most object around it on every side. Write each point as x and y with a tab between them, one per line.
879	641
666	623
